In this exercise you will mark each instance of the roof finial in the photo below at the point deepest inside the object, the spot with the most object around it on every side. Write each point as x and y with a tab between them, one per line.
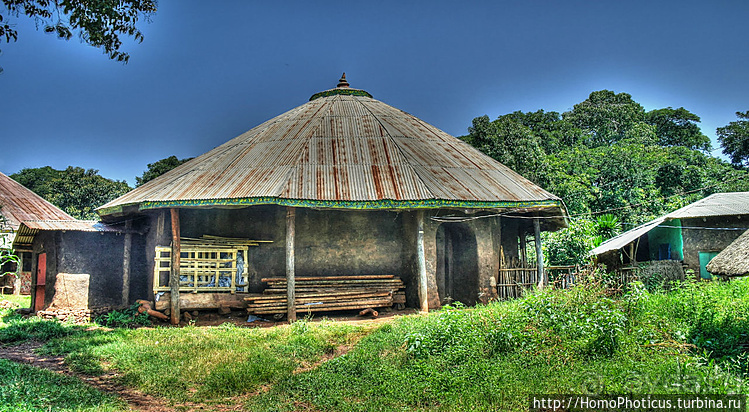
342	83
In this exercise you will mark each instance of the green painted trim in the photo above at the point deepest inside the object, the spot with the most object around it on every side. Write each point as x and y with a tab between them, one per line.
109	210
337	204
345	92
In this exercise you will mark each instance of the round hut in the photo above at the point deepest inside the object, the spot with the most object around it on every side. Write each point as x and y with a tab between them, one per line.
342	186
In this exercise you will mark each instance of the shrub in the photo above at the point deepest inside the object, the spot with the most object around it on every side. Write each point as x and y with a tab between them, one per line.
128	318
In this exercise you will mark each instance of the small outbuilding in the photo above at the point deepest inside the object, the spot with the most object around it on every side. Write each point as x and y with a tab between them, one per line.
97	255
17	204
341	186
689	237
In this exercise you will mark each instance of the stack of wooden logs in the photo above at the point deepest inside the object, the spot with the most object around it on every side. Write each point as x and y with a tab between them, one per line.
329	293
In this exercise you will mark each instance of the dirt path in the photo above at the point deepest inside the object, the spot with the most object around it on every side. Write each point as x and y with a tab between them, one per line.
137	401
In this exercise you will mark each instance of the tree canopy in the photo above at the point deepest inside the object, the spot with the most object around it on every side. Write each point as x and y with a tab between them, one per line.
98	23
158	168
75	190
510	142
735	139
678	127
605	116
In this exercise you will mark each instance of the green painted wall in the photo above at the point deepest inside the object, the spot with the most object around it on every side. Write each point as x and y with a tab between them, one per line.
670	235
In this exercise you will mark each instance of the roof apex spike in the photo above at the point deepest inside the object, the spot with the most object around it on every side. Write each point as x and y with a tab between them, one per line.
342	83
342	89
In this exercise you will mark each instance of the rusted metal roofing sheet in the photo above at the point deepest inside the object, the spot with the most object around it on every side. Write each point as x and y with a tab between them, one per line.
71	225
341	150
18	203
29	228
718	204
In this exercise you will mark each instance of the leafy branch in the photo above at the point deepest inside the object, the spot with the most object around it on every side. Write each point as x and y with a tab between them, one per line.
99	23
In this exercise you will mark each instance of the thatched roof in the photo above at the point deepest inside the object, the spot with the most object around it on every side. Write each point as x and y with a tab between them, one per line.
733	260
342	149
18	203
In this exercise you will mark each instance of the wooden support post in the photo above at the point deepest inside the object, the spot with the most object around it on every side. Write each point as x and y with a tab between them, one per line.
449	266
632	258
523	244
542	280
421	261
126	263
290	273
174	276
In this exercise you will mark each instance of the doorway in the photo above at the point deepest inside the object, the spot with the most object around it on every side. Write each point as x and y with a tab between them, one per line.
41	281
705	258
457	264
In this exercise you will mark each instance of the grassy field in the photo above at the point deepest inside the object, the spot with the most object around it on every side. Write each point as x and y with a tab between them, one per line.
692	339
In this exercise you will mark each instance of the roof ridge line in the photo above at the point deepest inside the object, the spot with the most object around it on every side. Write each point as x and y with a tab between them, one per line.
397	147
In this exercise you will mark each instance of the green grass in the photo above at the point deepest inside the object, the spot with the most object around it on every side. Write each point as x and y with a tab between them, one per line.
27	389
577	341
206	363
692	339
14	328
23	301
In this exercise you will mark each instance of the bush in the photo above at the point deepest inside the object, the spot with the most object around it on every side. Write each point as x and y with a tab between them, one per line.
128	318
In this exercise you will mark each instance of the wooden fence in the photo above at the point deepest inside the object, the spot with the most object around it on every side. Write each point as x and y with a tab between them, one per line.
511	282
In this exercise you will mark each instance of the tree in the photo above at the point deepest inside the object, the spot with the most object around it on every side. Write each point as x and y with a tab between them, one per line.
569	246
75	190
38	180
735	139
553	133
605	227
509	142
158	168
678	127
8	260
605	116
99	23
608	155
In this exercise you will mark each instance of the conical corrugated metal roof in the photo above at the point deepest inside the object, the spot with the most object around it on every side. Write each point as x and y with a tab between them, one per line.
342	149
17	203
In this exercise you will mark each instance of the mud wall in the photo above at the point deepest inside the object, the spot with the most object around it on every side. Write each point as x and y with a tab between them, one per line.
328	242
336	243
717	235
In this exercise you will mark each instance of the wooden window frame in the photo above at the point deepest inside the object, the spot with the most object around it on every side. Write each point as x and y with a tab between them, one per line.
200	264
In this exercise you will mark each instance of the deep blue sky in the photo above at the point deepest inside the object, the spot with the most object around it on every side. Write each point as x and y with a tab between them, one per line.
208	71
